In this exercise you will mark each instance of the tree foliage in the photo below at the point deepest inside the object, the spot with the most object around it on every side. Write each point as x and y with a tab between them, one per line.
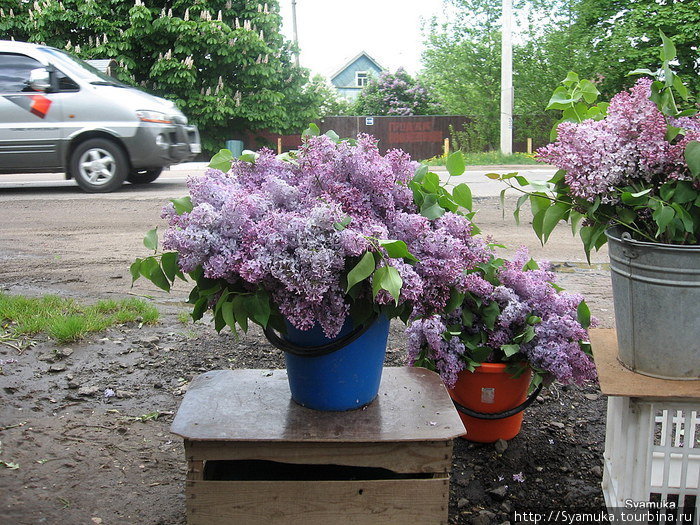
622	35
462	67
224	62
601	39
395	94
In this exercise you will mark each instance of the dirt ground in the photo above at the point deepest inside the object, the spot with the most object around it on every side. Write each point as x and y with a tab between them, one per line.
88	423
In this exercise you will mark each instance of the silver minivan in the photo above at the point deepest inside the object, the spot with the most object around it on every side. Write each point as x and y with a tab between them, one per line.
60	114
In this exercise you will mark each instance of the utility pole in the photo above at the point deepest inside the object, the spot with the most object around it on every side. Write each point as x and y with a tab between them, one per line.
507	79
294	26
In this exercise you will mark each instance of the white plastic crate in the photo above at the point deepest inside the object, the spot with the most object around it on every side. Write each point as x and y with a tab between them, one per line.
652	454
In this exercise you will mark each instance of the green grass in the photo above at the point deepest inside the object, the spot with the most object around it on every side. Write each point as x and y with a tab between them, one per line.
66	320
488	158
184	317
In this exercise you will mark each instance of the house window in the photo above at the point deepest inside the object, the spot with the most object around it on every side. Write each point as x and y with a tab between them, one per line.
361	78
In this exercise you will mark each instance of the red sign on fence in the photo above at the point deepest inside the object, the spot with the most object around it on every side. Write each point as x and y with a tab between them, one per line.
411	132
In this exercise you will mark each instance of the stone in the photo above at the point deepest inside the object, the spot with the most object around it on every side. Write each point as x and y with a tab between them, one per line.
557	424
121	394
485	517
501	446
49	357
88	390
597	471
463	502
591	397
64	352
499	493
59	367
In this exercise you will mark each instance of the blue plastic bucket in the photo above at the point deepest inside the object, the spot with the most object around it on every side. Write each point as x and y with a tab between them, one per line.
344	379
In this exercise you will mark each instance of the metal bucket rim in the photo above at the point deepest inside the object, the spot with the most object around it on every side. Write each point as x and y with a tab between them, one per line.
615	233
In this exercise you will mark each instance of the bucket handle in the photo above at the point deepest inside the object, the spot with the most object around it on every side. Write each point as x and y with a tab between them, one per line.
627	249
317	351
500	415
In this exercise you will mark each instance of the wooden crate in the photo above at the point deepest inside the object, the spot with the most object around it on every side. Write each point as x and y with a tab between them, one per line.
652	441
256	457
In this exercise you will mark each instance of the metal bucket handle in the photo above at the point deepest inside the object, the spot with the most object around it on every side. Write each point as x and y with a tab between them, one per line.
628	251
317	351
500	415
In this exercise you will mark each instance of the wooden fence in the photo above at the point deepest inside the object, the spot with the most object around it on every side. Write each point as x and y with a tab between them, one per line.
421	136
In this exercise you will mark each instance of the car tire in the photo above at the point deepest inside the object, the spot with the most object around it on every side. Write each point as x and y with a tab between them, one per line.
99	165
144	176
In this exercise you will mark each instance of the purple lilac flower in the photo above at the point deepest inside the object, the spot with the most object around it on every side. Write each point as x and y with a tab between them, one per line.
270	224
520	295
629	145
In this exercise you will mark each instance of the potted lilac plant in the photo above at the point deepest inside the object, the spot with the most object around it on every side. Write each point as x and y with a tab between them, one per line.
630	172
320	246
508	327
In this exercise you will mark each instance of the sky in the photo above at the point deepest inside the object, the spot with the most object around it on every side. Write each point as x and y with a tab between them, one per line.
331	32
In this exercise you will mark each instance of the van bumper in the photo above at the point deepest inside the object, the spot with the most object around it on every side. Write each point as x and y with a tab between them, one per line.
155	146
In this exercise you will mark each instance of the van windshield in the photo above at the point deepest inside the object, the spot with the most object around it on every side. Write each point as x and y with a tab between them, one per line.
81	69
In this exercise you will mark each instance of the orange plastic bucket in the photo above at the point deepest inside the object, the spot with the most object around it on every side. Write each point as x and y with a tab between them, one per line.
491	390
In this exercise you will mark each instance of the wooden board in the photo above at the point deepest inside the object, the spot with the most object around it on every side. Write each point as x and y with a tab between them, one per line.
403	457
616	380
255	405
394	502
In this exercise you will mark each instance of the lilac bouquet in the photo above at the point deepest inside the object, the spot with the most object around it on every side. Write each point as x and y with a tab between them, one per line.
632	163
507	312
334	230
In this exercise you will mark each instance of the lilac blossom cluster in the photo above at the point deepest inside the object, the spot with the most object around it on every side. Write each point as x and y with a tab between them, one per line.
272	224
629	145
520	294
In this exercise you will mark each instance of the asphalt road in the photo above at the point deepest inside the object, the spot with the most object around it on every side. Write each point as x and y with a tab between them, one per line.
172	183
54	238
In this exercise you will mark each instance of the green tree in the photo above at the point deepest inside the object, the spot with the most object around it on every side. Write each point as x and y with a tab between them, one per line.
462	64
395	94
623	35
331	103
224	62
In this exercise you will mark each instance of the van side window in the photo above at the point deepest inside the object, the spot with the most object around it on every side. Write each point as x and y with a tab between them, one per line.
65	83
14	72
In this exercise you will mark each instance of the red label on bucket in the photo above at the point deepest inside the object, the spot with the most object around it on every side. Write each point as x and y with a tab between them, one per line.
488	395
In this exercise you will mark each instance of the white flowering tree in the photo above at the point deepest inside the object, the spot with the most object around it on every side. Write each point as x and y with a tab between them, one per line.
224	62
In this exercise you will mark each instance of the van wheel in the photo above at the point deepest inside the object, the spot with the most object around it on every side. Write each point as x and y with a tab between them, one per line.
144	176
99	166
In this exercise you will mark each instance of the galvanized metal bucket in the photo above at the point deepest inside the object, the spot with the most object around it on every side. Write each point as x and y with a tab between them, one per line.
656	292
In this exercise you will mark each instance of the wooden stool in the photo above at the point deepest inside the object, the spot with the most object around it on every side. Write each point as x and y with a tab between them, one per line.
256	457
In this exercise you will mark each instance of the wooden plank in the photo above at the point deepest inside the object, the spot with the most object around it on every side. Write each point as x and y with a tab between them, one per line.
616	380
255	405
395	502
403	457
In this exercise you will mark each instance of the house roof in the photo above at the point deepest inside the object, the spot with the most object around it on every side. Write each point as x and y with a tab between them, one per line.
349	62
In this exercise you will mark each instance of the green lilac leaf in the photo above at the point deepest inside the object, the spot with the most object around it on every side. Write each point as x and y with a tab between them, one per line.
397	249
158	278
182	205
260	308
510	350
135	270
150	241
240	311
692	157
169	263
455	164
228	315
361	271
222	160
462	195
311	131
583	314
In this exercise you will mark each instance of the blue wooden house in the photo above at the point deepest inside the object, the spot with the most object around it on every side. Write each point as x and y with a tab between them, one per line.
355	75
